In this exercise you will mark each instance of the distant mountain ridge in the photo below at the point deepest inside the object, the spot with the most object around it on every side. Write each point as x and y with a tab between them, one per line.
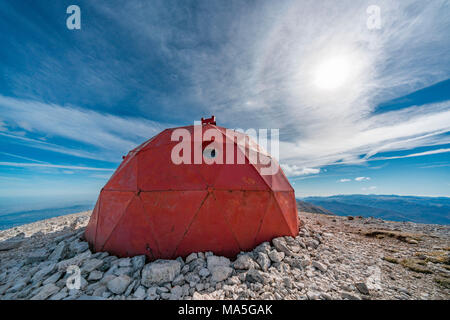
311	208
431	210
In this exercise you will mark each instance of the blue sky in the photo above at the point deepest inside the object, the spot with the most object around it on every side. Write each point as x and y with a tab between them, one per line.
72	102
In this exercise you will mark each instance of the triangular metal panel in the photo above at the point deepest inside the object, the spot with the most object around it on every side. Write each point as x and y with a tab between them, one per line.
273	224
244	212
156	172
112	206
209	231
171	212
134	234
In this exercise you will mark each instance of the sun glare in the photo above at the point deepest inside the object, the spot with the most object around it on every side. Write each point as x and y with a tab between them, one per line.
332	73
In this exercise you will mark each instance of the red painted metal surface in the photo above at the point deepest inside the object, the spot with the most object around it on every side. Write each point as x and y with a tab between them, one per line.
154	207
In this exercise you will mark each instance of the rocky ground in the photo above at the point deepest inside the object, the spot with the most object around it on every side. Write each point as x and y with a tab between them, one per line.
332	258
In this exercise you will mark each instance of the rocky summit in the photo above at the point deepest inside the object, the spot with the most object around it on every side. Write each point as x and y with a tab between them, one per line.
332	258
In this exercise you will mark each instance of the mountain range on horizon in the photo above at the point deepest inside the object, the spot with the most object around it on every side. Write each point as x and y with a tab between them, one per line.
430	210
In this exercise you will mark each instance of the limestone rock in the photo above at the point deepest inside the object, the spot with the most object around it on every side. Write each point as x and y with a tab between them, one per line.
119	284
276	256
220	273
244	262
159	272
10	244
46	291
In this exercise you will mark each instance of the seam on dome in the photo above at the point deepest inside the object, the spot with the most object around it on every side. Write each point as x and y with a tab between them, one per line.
98	217
190	223
254	168
117	223
264	216
152	232
281	211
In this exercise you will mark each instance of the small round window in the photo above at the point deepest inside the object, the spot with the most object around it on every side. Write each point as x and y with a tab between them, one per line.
210	153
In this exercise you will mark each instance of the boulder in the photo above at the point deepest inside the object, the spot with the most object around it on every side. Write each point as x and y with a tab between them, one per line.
319	266
45	292
138	262
159	272
220	273
95	275
263	261
37	256
119	284
215	261
59	252
276	256
244	262
91	265
77	261
10	244
254	276
280	245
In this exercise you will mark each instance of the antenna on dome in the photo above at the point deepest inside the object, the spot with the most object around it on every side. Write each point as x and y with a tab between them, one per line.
211	120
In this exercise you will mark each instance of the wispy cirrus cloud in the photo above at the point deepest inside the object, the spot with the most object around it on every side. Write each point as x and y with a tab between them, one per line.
252	65
92	134
47	165
417	154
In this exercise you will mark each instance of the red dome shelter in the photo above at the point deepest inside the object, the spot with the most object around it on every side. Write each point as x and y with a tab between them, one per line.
156	207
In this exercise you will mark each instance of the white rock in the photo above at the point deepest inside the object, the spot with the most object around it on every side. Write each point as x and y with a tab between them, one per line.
119	284
263	247
191	257
138	262
176	293
52	279
221	273
280	245
244	262
46	291
263	261
159	272
95	275
77	261
79	247
38	276
140	293
349	296
276	256
37	256
204	272
59	252
319	266
215	261
179	280
91	265
125	262
10	244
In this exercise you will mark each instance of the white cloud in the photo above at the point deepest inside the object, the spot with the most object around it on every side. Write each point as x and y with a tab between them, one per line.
260	63
105	136
45	165
419	154
266	72
362	178
293	170
344	180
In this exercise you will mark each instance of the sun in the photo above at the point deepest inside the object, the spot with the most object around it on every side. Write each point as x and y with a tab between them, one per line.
332	73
